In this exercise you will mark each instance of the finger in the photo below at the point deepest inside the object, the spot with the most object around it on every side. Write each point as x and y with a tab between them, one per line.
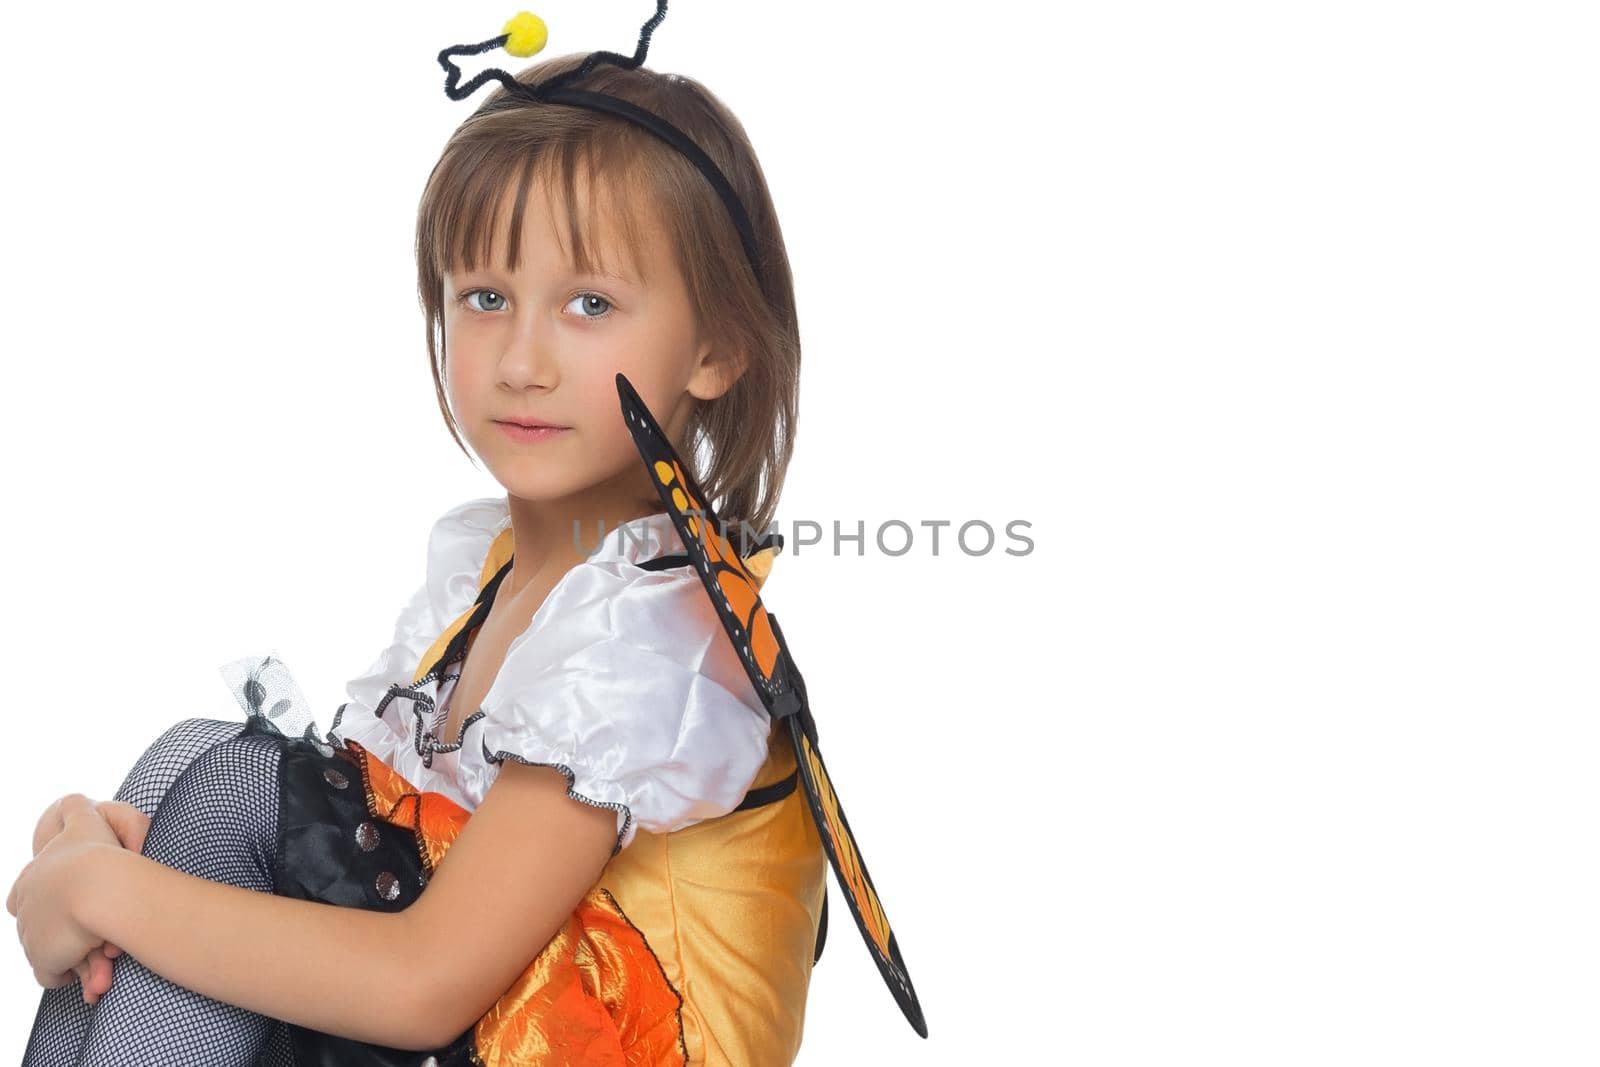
127	822
112	951
48	826
99	974
13	898
75	804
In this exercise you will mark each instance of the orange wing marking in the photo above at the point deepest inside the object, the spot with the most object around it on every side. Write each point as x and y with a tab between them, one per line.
844	847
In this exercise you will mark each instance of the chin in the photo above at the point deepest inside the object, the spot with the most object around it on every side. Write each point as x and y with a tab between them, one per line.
530	486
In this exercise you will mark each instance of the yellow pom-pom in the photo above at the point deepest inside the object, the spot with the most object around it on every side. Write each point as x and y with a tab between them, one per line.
528	34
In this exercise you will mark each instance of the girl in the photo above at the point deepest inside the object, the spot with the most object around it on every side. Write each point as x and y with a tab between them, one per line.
633	830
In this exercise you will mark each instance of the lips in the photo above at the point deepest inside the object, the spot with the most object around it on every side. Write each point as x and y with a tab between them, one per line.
532	425
531	434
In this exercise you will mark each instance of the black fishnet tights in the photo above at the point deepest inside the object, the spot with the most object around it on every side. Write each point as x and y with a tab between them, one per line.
212	798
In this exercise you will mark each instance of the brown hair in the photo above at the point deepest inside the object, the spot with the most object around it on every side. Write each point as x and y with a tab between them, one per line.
739	443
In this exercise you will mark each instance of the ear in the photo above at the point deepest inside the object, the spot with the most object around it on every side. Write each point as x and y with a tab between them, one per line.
716	369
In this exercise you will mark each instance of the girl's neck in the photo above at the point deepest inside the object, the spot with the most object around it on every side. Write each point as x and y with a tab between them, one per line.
554	536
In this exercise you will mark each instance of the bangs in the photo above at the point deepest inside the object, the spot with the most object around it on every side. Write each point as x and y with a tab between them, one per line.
474	217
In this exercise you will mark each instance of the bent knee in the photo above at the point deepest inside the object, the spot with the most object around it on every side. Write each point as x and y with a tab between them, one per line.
198	726
235	765
221	813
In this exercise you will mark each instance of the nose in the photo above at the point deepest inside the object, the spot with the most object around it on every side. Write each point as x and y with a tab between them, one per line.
530	359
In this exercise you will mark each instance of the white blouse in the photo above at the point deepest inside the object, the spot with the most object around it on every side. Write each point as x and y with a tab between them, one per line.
624	681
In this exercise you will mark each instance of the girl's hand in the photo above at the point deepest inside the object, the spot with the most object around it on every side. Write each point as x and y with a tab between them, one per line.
126	821
41	898
130	825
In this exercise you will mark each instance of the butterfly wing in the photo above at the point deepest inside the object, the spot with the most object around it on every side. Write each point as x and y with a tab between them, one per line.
722	567
759	640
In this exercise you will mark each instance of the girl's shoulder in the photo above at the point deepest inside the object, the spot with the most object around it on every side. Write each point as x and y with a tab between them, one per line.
628	567
624	678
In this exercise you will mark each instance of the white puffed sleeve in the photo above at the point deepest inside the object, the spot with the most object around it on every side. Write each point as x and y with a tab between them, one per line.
625	682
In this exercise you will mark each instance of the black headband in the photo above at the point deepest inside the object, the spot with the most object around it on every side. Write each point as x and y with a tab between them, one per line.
525	34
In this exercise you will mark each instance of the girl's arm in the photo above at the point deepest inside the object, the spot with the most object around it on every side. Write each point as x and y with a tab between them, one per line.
512	876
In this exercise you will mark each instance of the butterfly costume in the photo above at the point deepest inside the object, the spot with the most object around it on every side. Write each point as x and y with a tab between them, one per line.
656	681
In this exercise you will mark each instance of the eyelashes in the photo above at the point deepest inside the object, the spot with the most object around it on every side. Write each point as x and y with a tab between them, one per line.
466	301
585	296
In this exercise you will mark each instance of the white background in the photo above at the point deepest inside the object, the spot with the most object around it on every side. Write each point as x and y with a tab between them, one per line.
1277	322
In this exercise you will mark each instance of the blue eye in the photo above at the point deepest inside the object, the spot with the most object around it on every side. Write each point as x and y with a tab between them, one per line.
467	296
493	302
589	300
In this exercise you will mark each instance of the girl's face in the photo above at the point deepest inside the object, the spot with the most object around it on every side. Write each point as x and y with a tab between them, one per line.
544	343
